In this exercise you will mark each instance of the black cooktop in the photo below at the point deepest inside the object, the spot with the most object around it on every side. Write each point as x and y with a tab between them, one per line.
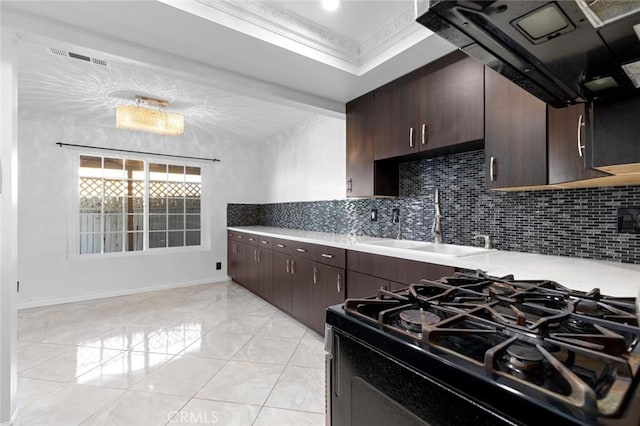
570	352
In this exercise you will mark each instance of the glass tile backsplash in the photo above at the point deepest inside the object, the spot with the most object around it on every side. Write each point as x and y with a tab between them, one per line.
573	222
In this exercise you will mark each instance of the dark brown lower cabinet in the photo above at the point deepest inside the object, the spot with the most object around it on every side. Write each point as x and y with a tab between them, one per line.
400	271
304	279
362	285
328	289
302	271
236	265
251	269
265	274
282	281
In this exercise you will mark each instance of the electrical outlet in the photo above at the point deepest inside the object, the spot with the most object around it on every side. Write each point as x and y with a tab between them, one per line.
374	215
218	266
395	215
629	220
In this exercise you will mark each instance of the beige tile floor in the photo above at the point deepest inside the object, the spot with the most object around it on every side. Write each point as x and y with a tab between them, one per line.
212	354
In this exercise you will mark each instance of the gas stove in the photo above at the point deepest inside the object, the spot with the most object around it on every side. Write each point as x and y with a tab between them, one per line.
571	355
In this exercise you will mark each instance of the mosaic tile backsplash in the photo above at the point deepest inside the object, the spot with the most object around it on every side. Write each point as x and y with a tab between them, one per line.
574	222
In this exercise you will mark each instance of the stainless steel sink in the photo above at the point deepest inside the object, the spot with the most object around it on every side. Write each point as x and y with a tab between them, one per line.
447	250
401	244
452	250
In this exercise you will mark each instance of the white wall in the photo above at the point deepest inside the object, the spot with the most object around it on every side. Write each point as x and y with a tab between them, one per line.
46	271
8	221
307	164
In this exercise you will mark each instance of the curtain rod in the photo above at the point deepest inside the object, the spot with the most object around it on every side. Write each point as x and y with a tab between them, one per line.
61	144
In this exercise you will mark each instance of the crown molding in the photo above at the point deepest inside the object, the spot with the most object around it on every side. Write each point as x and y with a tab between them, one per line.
285	29
290	26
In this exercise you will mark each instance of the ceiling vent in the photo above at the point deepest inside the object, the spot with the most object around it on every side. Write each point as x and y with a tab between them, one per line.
61	52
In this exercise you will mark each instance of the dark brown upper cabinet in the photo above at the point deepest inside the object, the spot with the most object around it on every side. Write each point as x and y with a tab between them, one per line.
568	131
615	146
431	110
515	135
365	177
397	113
451	103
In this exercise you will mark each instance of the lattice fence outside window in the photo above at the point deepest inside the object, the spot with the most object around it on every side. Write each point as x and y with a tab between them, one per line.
117	215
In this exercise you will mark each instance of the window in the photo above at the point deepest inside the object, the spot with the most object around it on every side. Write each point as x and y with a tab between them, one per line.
129	205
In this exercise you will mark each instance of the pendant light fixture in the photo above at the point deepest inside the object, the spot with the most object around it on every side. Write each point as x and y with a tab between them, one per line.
149	115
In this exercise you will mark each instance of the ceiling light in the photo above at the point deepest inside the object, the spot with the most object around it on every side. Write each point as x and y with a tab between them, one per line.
331	5
140	117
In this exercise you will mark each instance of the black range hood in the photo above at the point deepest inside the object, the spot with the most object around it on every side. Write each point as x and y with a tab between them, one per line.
563	52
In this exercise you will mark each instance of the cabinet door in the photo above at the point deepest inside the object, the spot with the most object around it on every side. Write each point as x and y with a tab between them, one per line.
328	289
360	146
615	147
251	270
265	274
360	285
396	113
239	263
231	251
566	141
515	135
301	288
452	103
282	281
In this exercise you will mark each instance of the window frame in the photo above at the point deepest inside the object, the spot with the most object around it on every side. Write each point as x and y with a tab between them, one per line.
73	240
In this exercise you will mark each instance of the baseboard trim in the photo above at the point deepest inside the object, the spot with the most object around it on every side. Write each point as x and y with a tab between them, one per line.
13	420
125	292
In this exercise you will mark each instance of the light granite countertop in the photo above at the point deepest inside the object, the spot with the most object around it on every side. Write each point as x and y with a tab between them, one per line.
612	278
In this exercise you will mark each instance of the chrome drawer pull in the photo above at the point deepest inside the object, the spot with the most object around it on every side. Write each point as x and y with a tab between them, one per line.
328	256
280	245
301	250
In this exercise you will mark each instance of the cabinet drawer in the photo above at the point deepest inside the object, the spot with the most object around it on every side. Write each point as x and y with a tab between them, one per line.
330	256
402	271
265	242
283	246
304	250
240	236
251	239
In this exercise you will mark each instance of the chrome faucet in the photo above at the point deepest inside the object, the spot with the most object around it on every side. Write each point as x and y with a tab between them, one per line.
395	218
488	242
436	229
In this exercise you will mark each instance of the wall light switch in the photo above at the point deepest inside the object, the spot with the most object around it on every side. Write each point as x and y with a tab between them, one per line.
374	215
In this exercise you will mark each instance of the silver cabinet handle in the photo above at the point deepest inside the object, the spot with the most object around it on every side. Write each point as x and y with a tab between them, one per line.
301	250
350	185
424	132
293	267
264	242
411	137
328	256
339	283
492	174
280	245
251	239
580	126
315	275
240	237
259	256
288	266
255	255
